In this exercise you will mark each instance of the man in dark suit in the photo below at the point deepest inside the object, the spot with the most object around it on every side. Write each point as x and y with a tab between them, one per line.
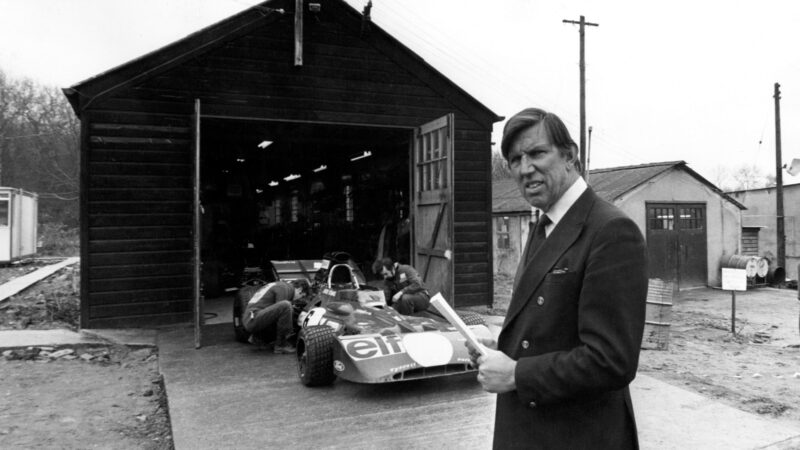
570	342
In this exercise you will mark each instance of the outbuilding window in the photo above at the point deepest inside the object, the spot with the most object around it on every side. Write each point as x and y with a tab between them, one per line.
4	212
661	218
692	218
503	234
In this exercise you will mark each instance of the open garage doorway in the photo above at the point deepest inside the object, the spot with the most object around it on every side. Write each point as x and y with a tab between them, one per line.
294	191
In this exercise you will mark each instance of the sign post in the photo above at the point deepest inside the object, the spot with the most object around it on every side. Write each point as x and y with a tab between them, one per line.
734	280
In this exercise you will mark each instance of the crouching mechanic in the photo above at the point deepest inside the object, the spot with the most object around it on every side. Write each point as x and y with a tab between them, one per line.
268	316
408	292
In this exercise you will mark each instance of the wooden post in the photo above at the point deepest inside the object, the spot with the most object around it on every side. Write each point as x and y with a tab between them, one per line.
779	230
733	312
197	292
298	32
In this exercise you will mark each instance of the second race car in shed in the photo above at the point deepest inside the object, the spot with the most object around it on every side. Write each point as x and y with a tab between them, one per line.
348	331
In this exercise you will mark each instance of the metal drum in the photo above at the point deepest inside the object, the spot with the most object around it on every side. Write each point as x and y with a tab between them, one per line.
762	267
748	263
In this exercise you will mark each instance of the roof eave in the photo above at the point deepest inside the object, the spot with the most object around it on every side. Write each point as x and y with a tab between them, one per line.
82	94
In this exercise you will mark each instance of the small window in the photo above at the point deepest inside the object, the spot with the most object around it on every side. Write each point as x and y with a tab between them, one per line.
277	207
692	218
348	203
661	218
503	234
295	207
3	213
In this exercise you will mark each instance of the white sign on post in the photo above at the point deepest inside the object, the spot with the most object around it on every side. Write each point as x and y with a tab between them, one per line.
734	279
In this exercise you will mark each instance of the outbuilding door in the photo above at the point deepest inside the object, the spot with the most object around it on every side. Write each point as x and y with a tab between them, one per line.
432	188
676	243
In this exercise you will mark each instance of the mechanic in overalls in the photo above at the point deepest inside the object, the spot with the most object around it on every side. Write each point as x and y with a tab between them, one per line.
268	315
408	291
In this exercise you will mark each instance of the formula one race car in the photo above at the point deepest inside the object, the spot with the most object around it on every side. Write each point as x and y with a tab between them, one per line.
348	331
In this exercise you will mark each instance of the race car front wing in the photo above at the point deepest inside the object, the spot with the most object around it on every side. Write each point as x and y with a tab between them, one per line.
385	358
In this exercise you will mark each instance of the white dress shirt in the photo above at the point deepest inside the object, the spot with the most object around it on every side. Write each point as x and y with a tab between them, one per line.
563	204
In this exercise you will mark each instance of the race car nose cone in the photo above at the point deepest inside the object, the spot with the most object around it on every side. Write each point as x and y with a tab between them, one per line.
428	349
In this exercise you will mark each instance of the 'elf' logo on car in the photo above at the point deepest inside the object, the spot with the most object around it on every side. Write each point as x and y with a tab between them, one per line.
374	347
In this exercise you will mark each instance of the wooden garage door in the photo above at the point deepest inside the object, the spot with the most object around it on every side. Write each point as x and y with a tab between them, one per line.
676	243
433	205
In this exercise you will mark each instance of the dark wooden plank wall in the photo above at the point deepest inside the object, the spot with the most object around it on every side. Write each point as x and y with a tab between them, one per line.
140	188
138	219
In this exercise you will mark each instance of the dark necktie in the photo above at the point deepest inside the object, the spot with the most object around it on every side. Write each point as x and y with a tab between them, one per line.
535	239
538	235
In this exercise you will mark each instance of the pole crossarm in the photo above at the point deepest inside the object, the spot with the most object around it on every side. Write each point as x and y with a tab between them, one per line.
577	22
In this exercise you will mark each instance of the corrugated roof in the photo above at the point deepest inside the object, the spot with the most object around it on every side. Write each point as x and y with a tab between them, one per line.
613	182
506	197
609	184
768	188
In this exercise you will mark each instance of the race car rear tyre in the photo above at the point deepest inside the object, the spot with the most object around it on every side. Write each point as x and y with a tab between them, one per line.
471	318
239	303
315	355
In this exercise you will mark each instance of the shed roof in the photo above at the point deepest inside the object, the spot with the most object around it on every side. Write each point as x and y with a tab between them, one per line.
767	189
105	84
610	184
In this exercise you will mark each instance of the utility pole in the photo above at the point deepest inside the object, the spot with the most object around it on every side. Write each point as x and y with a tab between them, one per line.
781	238
582	23
588	155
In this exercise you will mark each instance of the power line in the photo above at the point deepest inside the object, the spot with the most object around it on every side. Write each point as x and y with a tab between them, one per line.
417	27
463	60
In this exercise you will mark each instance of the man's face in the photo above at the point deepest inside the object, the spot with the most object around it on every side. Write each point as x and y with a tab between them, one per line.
542	173
387	273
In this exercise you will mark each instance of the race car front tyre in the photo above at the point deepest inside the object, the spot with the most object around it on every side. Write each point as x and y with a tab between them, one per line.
315	355
471	318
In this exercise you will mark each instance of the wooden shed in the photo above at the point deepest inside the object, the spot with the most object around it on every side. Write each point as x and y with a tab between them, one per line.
291	129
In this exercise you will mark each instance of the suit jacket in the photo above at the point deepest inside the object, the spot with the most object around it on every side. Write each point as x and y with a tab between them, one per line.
574	326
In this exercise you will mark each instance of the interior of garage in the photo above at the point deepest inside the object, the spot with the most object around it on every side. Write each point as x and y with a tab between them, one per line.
284	191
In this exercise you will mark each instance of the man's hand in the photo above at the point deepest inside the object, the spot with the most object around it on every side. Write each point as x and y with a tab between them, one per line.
397	296
474	354
496	372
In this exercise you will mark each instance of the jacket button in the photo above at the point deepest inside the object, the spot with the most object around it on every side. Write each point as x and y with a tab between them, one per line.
525	344
540	300
532	404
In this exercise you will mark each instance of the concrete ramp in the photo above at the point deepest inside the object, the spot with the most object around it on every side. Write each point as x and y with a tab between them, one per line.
18	284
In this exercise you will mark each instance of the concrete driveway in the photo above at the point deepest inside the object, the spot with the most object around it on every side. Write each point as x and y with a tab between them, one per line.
230	395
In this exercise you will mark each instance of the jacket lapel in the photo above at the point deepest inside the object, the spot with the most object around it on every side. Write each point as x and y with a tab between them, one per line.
562	237
523	257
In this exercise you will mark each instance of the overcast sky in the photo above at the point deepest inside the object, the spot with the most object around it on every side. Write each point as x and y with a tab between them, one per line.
678	80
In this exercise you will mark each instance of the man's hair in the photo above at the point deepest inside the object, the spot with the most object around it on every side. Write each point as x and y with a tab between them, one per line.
387	263
380	263
556	131
301	284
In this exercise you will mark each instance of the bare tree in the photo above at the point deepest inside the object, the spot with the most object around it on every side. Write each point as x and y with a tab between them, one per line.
39	147
499	166
721	177
749	176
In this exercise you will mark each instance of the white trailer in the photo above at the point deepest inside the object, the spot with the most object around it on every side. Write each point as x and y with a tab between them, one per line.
18	224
